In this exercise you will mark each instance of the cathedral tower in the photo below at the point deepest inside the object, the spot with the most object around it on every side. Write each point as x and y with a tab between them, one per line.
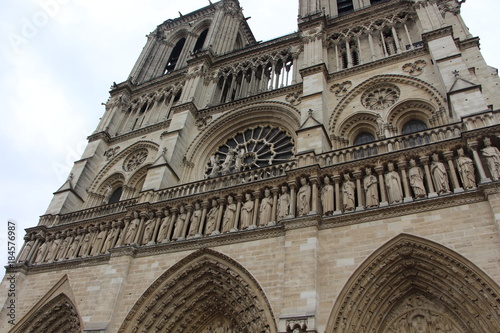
342	178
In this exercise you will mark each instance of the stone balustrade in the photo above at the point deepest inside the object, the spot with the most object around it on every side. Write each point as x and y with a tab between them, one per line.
271	196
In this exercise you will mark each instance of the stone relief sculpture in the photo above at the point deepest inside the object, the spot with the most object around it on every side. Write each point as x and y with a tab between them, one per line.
229	215
132	228
304	198
211	218
98	241
148	230
73	247
84	248
439	175
109	241
266	208
247	212
416	176
492	156
41	252
163	232
371	190
393	184
195	220
327	197
179	224
283	203
465	168
348	194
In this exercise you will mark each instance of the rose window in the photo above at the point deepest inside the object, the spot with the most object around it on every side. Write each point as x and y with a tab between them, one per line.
380	97
134	160
252	148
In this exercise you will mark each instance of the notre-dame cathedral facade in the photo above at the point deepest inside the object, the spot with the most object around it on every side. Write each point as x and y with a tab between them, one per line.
342	178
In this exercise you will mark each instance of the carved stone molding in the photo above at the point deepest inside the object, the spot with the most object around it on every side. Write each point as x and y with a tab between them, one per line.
340	89
414	68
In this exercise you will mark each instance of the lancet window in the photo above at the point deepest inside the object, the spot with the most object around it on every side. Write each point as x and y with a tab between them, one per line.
200	41
344	7
250	78
252	148
174	56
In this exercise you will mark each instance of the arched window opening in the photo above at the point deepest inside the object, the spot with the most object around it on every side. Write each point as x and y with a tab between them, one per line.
225	91
354	53
116	195
374	2
239	43
363	138
390	43
178	96
344	59
413	126
200	41
174	56
344	7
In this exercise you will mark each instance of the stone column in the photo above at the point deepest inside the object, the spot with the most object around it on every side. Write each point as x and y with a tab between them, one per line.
381	182
448	155
315	196
292	184
204	206
406	185
428	179
256	208
338	209
140	229
119	229
189	209
239	199
473	146
159	216
359	189
174	211
274	191
220	213
34	249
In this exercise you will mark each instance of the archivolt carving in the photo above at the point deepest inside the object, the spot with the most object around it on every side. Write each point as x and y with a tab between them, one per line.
360	122
269	113
414	109
57	316
412	282
435	97
104	171
197	290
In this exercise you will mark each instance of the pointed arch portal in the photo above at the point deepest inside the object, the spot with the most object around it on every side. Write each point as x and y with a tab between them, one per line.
415	285
204	292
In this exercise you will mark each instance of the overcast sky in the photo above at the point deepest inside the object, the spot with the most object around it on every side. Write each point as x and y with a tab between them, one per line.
58	59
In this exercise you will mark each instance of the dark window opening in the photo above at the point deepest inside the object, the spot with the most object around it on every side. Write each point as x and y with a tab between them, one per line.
174	56
201	40
413	126
363	138
115	197
344	6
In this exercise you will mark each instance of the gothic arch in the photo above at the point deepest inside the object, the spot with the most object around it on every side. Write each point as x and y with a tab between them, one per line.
203	287
269	113
59	315
434	96
107	169
407	110
411	281
357	123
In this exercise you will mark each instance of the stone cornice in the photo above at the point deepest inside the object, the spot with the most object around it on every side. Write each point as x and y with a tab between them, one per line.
367	13
104	136
140	132
320	68
468	43
185	106
436	34
377	64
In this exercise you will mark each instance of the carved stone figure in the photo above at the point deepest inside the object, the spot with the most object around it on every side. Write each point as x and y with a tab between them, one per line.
266	208
84	248
229	214
215	167
163	232
465	168
393	183
439	175
132	229
226	165
41	252
371	190
327	197
73	247
148	231
26	250
348	194
283	203
195	219
238	161
492	156
109	241
179	224
99	240
247	211
416	176
304	198
211	218
52	249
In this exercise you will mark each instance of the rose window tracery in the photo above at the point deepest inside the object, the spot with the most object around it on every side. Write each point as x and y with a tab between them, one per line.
253	148
134	160
380	97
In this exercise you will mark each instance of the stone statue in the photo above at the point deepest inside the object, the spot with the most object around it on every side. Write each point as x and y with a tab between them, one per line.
416	176
163	232
439	175
96	246
348	194
211	218
73	247
52	249
214	165
238	162
179	224
371	190
195	219
226	165
283	203
266	208
492	156
41	252
26	250
84	248
63	248
148	231
247	212
132	228
393	184
109	241
229	215
465	168
327	197
304	198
